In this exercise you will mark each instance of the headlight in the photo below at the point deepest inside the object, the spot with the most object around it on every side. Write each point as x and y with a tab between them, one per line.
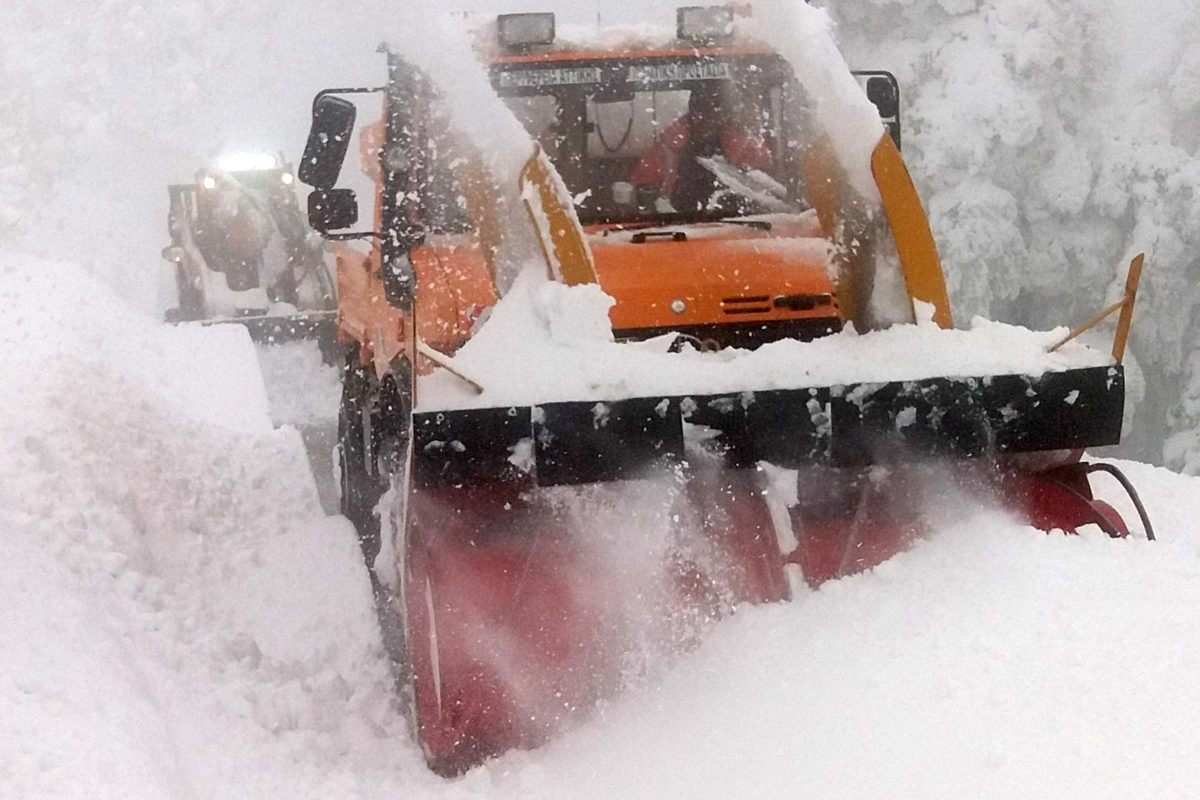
704	24
209	182
287	178
247	162
525	30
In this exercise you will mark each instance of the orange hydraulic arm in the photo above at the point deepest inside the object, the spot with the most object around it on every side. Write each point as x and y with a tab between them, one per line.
910	228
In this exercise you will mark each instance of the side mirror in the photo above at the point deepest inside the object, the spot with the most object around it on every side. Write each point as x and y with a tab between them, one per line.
884	94
328	139
332	209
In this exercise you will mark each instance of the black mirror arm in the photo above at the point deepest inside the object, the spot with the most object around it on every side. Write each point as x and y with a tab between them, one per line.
347	90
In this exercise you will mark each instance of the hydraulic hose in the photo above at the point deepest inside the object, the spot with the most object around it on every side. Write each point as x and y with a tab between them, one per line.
1133	495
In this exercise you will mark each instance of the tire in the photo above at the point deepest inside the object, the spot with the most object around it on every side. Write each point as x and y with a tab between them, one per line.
359	490
373	422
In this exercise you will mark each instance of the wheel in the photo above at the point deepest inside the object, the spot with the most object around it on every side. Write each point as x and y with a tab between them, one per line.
1061	499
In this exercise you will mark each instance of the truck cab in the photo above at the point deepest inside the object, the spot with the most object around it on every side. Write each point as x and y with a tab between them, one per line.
683	171
693	203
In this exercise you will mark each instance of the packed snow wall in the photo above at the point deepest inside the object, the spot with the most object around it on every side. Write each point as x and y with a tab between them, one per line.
1050	140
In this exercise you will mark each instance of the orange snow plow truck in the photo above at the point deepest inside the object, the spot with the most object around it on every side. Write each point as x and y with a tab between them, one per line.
530	558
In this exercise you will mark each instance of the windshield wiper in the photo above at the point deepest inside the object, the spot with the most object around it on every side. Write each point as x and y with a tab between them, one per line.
759	224
645	236
637	226
667	222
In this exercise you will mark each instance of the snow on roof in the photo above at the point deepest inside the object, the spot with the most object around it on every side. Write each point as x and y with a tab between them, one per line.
582	38
803	35
442	48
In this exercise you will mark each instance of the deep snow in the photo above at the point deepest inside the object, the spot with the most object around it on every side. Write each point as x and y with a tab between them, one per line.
546	342
182	621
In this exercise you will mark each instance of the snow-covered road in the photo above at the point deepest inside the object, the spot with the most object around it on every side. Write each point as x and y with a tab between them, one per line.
181	620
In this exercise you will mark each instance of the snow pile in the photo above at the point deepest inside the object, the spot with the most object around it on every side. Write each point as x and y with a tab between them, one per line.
301	388
179	618
57	320
545	342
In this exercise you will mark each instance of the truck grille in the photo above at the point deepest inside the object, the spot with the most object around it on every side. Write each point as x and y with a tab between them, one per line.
736	306
764	304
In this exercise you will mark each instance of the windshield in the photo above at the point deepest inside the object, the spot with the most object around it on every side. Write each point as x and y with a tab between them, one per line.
662	139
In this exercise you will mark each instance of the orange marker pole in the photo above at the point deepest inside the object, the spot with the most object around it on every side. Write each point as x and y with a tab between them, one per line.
1124	305
1131	290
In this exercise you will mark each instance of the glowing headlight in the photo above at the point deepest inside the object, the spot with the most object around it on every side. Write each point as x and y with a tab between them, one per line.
525	30
678	306
247	162
704	23
287	178
209	182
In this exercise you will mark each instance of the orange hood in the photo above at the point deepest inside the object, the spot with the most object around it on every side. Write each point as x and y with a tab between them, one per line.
722	272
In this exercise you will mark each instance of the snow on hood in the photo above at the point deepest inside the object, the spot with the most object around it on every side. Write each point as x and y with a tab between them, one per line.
546	342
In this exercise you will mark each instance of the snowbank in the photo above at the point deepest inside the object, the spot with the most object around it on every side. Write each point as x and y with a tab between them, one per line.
58	320
179	617
546	342
301	389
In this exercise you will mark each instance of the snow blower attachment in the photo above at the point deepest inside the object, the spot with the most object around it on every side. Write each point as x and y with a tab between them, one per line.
243	253
533	546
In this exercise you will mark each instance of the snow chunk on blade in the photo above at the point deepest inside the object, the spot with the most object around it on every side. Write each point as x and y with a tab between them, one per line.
524	355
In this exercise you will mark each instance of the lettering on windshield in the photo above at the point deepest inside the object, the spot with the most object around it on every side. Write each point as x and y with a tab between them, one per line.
532	78
646	74
671	73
